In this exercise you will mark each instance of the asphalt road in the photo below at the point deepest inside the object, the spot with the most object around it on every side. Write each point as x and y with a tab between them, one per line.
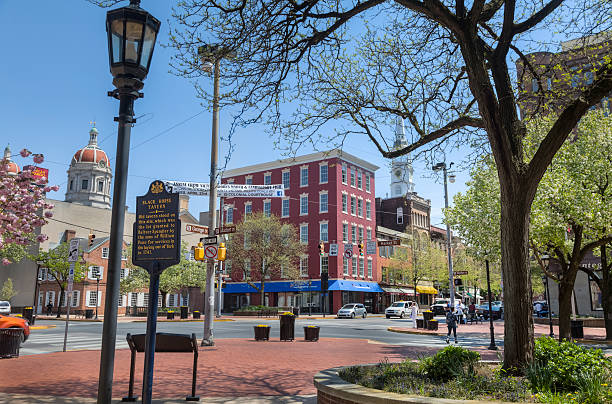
87	335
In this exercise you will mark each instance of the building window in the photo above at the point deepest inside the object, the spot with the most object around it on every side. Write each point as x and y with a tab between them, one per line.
285	208
304	176
323	202
304	266
369	234
534	85
85	184
345	232
354	266
100	186
369	268
344	173
361	234
361	267
324	265
323	174
344	203
171	300
304	204
95	272
248	180
353	233
360	207
304	233
248	208
75	298
267	208
93	299
267	179
323	232
549	83
286	179
359	180
105	253
71	184
353	203
368	210
400	215
345	266
134	300
229	218
588	78
367	182
352	170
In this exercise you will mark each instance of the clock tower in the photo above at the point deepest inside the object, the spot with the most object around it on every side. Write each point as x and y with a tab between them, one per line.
402	174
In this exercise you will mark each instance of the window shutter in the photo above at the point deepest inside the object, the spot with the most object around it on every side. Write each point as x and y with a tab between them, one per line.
88	298
99	298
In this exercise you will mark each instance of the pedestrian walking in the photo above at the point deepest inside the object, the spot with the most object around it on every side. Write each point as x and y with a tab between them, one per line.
451	324
414	312
538	309
459	314
49	309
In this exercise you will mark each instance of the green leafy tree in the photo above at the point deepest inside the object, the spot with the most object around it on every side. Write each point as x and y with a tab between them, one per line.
8	291
444	66
263	247
58	267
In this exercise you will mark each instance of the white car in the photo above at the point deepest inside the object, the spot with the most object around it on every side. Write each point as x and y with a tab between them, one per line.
5	307
352	310
399	309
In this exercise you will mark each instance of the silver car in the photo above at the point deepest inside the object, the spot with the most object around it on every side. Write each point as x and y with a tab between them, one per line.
398	309
352	310
5	307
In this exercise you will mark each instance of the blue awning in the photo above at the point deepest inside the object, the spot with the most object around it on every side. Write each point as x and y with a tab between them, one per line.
285	286
355	286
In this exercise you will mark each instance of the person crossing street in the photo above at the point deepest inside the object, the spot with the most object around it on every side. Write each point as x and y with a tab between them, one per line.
451	324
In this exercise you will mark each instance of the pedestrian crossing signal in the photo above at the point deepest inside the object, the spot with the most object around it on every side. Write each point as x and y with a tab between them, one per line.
92	238
198	252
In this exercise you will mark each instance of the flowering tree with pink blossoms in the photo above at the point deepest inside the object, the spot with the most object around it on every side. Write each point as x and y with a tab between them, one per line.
23	208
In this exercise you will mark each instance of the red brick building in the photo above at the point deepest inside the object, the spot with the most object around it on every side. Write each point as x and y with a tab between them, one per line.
329	197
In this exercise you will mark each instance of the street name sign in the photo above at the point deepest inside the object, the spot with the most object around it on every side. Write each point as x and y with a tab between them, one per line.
371	247
196	229
333	250
157	229
384	243
212	240
227	190
459	273
225	230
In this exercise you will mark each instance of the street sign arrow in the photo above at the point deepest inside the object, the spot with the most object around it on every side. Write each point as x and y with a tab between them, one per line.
209	240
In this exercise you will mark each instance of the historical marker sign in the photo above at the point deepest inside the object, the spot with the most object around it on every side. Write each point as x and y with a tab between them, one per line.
157	229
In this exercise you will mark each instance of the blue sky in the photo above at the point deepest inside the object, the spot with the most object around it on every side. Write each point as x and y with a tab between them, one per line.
55	77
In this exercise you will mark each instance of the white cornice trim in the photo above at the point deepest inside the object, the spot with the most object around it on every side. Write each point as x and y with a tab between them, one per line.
301	160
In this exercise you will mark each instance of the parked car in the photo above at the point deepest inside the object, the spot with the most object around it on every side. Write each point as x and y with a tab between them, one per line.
497	307
399	309
439	306
5	307
352	310
16	322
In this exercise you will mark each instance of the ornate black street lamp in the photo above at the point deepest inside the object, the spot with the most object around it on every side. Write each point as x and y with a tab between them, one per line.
492	345
546	261
131	40
442	166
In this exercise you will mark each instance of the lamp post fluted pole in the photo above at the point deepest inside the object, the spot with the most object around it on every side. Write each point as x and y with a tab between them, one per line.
492	345
451	285
550	323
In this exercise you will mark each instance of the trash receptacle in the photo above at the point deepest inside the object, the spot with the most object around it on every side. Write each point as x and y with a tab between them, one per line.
287	327
576	329
262	332
196	314
311	333
428	315
88	313
432	325
184	312
296	311
420	323
10	341
28	313
170	315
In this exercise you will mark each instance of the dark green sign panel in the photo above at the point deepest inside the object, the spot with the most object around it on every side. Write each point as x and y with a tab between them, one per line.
157	229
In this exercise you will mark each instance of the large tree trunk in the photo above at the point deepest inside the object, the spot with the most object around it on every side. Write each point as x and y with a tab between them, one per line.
606	296
518	334
163	298
566	286
262	293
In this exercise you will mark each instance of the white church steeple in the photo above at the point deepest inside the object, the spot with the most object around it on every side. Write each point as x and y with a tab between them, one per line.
402	174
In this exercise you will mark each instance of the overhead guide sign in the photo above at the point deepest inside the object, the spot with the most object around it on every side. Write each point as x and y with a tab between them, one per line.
227	190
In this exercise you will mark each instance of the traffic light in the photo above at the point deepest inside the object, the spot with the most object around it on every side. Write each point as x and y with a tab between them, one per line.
360	245
324	281
221	252
198	252
321	249
92	237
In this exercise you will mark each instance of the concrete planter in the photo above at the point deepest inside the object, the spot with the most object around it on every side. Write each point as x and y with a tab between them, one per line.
332	389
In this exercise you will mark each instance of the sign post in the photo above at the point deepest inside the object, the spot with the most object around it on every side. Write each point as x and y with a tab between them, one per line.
73	256
157	245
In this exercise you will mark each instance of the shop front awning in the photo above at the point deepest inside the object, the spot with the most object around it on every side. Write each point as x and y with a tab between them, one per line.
286	286
355	286
401	291
430	290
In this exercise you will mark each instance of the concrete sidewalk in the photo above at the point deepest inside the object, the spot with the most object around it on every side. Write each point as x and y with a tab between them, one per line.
232	368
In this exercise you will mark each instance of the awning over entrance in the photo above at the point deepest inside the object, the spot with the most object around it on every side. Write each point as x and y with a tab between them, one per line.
288	286
427	290
355	286
402	291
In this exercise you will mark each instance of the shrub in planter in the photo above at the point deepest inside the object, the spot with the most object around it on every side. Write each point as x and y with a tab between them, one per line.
565	366
449	363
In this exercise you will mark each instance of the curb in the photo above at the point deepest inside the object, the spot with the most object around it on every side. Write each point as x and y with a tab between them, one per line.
42	327
404	331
